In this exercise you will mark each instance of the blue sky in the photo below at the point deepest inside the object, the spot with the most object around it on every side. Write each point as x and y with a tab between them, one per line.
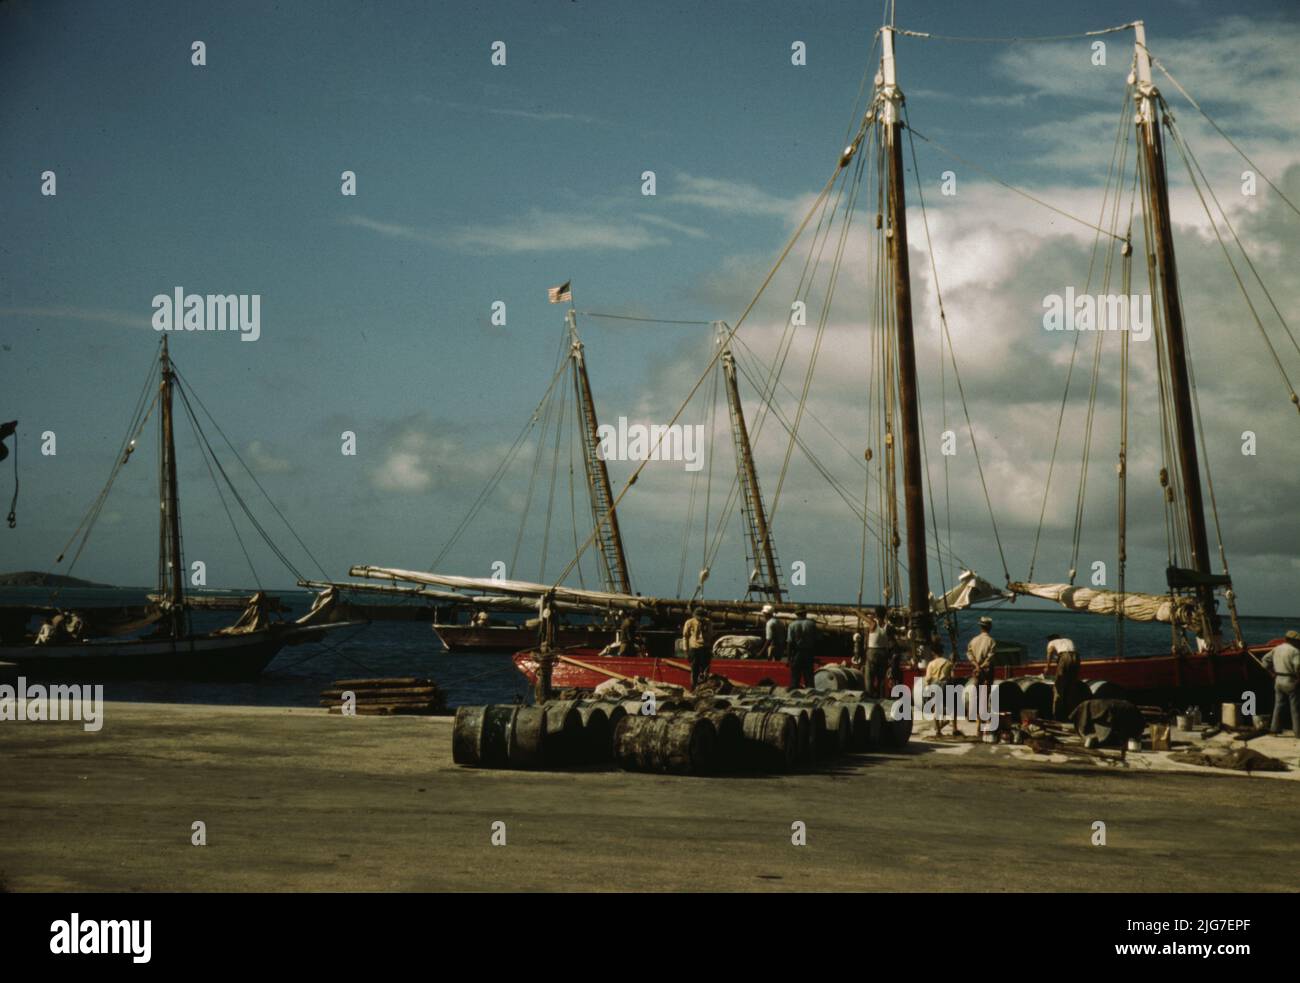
480	183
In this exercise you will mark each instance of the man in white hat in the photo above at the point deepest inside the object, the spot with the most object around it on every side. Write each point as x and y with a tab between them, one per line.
1283	664
773	635
980	652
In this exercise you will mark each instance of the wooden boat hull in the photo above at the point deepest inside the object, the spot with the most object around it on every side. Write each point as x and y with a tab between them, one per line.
1160	680
471	639
210	657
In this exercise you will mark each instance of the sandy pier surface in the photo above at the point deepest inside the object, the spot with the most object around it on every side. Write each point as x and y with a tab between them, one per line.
296	799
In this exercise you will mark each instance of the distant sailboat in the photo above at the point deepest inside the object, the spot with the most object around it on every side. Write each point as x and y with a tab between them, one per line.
89	642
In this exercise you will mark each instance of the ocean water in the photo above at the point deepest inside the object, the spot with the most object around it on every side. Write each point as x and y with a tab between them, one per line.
298	675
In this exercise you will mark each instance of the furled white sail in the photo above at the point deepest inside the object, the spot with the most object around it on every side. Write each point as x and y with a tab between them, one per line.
970	589
1135	606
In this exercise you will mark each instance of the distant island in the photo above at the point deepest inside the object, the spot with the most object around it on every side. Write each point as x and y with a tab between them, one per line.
34	578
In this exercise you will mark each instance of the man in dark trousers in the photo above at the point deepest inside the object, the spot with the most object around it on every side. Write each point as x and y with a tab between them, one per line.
695	633
1066	657
801	643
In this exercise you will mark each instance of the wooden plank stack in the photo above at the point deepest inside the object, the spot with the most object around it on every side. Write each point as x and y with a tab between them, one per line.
386	697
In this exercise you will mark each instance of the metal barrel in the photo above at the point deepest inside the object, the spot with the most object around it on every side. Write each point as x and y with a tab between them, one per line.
526	745
895	733
807	746
728	731
675	744
1011	698
1037	693
498	736
1103	689
564	733
837	678
596	731
467	736
839	726
771	740
874	725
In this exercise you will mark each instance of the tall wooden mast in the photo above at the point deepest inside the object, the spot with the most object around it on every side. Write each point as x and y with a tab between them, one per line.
613	560
171	574
920	618
1151	140
765	577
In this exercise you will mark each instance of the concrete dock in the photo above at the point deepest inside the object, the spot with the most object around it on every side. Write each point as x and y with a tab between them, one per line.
298	800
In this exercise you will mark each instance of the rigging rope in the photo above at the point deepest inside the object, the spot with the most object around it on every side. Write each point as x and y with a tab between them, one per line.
1187	95
249	471
952	354
708	369
1010	187
1189	159
647	320
926	36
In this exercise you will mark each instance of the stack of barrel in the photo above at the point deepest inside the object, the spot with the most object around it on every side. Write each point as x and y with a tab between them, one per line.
764	729
406	695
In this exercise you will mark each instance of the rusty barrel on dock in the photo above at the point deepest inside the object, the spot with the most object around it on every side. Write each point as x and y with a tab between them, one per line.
564	733
499	736
805	744
873	730
897	724
839	724
770	740
596	730
674	744
729	750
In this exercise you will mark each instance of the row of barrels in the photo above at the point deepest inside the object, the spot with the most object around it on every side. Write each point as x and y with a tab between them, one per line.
1036	693
754	731
1014	694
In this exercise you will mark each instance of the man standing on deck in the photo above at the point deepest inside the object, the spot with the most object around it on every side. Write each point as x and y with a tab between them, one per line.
880	645
1283	663
695	635
980	652
627	635
773	635
1063	653
802	642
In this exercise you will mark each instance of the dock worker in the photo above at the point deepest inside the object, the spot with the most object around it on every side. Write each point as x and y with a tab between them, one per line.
1283	664
801	640
880	649
938	672
1063	653
980	652
626	636
695	635
773	635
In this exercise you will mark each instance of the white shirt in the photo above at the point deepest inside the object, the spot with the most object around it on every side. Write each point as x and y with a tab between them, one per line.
1059	645
1285	661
